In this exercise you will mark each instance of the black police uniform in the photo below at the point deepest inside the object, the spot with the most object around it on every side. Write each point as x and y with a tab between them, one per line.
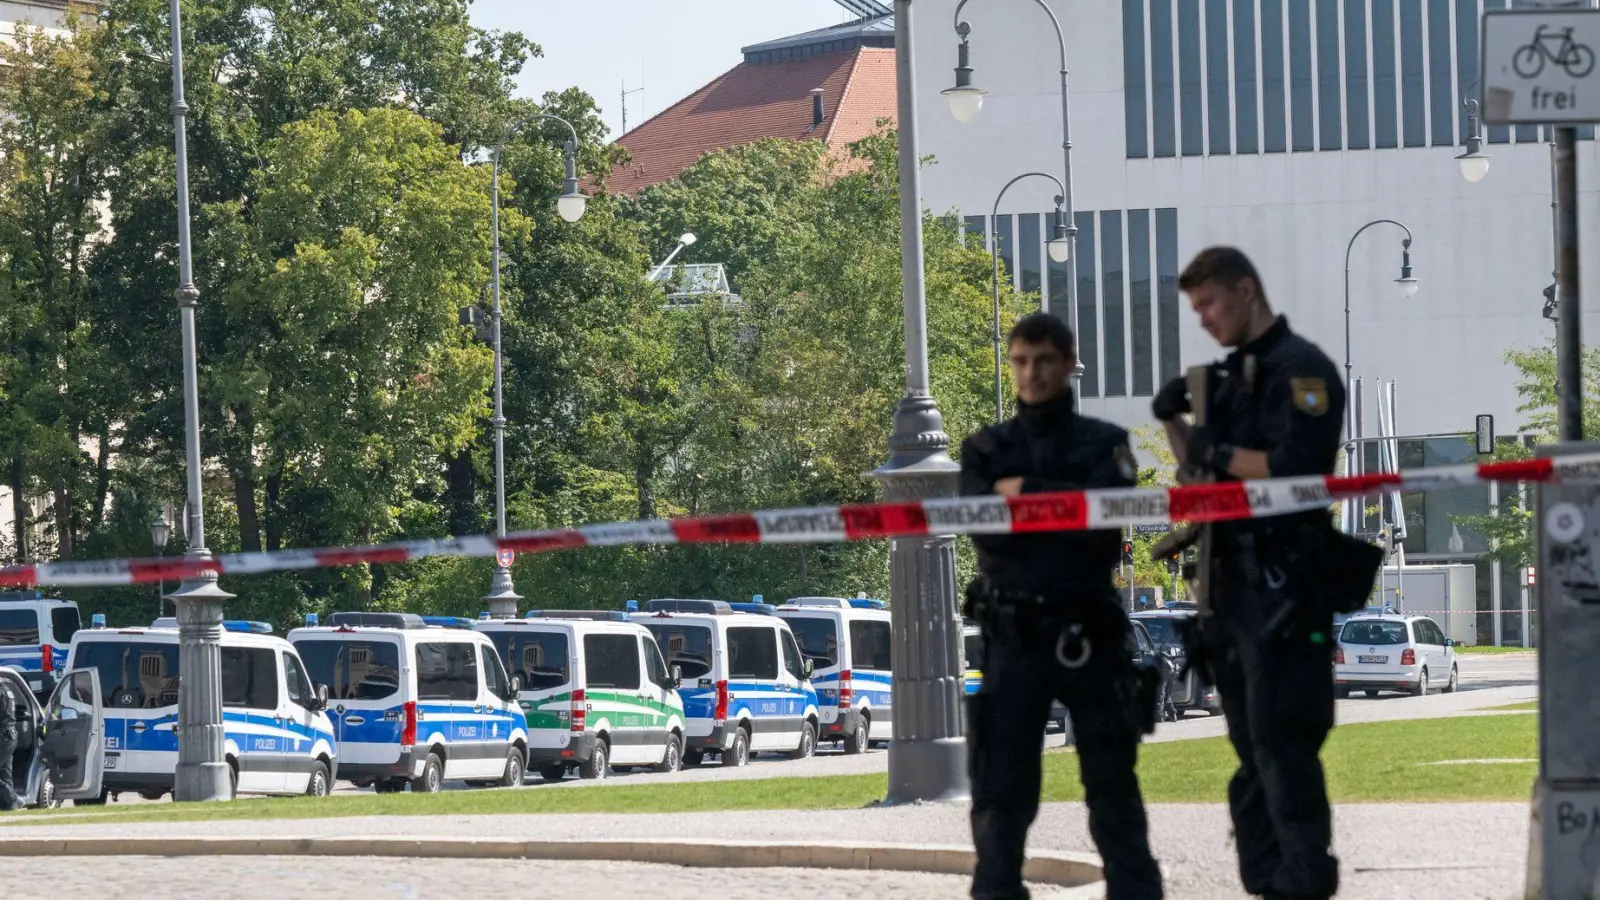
1269	648
1032	588
8	746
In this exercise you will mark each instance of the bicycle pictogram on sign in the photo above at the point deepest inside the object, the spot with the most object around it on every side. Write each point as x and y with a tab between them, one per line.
1553	46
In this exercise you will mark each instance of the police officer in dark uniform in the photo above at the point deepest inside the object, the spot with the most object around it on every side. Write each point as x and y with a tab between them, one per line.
1275	408
1053	627
8	746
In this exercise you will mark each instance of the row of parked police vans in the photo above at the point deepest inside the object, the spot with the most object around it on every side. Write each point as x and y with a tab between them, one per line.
397	701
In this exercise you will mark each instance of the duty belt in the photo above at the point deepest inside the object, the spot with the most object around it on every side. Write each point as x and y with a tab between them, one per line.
1002	609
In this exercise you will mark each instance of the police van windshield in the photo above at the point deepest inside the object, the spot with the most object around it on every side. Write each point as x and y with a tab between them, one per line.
352	670
133	675
64	622
1374	633
18	626
1162	630
974	650
684	645
818	637
540	657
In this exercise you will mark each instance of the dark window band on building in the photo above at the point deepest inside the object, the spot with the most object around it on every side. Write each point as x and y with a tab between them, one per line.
1441	72
1274	94
1217	99
1088	332
1139	319
1189	77
1111	289
1163	114
1355	76
1244	76
1008	256
1300	75
1133	81
1385	105
1329	108
1028	252
1167	294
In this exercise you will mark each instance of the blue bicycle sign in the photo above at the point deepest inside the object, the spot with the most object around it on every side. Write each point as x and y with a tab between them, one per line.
1554	46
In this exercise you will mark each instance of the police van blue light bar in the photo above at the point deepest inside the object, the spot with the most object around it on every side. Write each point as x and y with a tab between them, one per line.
483	616
867	603
447	621
98	620
763	609
311	620
246	627
632	606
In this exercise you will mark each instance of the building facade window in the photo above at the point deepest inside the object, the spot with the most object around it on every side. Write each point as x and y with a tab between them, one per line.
1300	75
1134	85
1218	102
1330	114
1028	253
1088	333
1411	77
1274	98
1189	78
1163	114
1111	294
1467	18
1441	74
1139	318
1002	240
1355	75
1385	123
975	227
1167	293
1244	76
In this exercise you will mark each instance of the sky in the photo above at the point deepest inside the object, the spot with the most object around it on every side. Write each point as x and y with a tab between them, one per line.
668	47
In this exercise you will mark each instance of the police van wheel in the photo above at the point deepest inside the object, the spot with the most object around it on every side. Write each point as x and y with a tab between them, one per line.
739	754
808	742
233	780
432	777
515	769
693	758
596	767
860	739
672	758
554	772
47	791
319	784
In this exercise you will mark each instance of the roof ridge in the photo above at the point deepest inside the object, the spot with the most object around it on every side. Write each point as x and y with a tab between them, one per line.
685	99
844	96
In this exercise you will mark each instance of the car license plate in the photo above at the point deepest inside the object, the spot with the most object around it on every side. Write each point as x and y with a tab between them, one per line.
1374	659
111	762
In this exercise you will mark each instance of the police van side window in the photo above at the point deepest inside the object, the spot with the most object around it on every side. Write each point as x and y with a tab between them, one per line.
818	637
18	626
611	661
249	677
686	646
64	623
133	675
869	645
352	670
540	657
752	653
447	671
791	656
299	686
494	675
652	660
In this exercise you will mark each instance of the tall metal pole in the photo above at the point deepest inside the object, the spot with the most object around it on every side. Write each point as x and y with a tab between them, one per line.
1352	508
1569	341
994	252
927	757
202	771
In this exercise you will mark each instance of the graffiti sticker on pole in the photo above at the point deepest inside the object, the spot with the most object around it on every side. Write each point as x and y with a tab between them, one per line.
1539	67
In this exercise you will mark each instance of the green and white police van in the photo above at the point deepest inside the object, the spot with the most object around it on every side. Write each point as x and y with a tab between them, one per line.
596	693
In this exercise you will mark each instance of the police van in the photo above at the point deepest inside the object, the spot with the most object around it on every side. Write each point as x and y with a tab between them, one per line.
595	692
60	749
35	632
415	704
745	686
276	737
847	641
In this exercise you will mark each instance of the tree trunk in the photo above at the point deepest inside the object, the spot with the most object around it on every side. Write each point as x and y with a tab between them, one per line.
644	471
63	513
460	493
244	482
102	478
274	527
19	507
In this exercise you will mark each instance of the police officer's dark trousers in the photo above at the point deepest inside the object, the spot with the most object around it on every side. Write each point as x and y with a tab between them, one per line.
1277	694
8	747
1005	733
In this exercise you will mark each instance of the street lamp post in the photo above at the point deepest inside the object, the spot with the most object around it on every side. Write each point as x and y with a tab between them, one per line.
160	530
966	101
1060	247
927	757
1474	162
501	601
685	240
202	772
1408	288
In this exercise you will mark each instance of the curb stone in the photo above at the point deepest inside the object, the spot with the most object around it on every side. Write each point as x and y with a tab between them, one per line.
1079	873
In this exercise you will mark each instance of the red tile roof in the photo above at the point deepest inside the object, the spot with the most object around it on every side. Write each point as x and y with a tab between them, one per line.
753	101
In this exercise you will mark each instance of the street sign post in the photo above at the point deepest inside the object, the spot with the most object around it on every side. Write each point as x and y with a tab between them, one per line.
1539	67
1162	528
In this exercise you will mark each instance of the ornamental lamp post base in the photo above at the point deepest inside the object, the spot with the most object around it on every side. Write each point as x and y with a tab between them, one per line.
202	773
928	755
501	601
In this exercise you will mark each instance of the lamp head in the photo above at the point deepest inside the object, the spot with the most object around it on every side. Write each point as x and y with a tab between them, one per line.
687	239
1407	283
965	100
1474	162
1061	236
572	202
160	530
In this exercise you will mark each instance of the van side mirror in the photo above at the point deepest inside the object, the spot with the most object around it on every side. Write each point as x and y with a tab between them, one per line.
514	688
810	667
321	702
675	678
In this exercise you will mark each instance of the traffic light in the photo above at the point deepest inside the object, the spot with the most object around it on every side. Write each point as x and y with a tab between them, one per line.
1127	553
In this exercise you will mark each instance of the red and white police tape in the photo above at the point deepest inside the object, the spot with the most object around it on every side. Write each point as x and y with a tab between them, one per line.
1065	511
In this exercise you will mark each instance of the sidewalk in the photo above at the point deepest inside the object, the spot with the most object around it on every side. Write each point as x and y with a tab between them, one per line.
1460	851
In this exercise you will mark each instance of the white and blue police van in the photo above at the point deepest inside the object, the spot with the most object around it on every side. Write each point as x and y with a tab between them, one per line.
847	641
276	737
595	692
35	632
745	686
416	703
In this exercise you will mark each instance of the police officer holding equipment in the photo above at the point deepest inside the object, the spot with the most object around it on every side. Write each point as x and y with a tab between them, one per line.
8	746
1053	627
1267	588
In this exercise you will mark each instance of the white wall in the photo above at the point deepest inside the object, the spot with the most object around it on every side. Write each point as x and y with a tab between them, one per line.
1483	252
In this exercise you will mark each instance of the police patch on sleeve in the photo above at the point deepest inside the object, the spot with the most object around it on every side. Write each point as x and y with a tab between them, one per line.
1310	395
1126	464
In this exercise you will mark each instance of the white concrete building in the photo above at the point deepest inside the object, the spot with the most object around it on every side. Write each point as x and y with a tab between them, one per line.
1281	127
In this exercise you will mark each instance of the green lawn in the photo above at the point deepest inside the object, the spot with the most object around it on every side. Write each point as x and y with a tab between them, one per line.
1490	650
1515	707
1365	763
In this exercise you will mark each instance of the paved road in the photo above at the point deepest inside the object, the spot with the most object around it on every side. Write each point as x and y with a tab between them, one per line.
1467	851
252	878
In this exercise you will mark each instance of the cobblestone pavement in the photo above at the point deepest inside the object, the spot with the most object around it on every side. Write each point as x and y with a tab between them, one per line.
252	878
1460	851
